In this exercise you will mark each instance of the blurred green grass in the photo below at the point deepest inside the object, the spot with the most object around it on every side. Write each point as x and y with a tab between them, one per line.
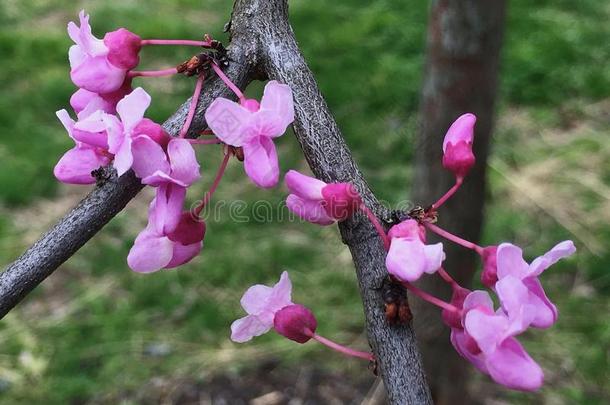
97	331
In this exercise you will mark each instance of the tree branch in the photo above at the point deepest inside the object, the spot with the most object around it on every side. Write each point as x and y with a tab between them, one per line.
262	45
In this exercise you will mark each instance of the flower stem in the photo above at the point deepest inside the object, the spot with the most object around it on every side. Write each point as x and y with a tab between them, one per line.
430	298
186	42
205	141
380	230
193	106
210	192
458	182
454	238
445	276
228	81
152	73
340	348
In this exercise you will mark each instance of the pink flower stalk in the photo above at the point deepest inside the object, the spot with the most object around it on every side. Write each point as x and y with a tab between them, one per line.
122	132
409	257
261	303
151	163
518	286
173	237
486	339
101	66
76	165
253	127
457	146
318	202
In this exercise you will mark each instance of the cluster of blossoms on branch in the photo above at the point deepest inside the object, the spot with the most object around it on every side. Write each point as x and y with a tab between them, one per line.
110	129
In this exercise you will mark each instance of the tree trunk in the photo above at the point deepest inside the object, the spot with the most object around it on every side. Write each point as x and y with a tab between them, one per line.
463	48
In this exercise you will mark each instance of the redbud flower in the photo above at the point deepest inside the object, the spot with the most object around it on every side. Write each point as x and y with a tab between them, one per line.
318	202
261	303
84	99
253	127
518	285
171	238
457	146
76	165
101	66
487	340
409	257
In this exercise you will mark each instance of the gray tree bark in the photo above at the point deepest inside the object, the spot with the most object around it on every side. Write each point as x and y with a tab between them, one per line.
262	46
463	52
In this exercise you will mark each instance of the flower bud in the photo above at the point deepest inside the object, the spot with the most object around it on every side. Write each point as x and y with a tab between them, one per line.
295	322
489	276
457	145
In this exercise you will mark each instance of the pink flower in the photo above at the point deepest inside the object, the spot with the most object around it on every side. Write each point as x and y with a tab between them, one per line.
487	340
295	322
518	286
409	257
101	66
84	99
457	146
155	167
172	237
253	127
121	133
318	202
76	165
261	303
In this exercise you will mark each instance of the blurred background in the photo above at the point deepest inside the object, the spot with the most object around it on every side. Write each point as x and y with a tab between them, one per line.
95	332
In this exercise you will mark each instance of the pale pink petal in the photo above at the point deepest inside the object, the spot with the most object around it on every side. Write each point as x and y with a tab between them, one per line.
65	120
462	129
265	123
97	75
148	157
545	311
488	330
281	294
81	98
166	209
255	299
458	340
114	129
409	229
76	165
277	98
85	38
260	162
405	259
248	327
228	119
304	186
509	259
311	211
434	255
123	158
514	299
150	252
558	252
184	254
159	178
511	366
478	299
132	107
184	165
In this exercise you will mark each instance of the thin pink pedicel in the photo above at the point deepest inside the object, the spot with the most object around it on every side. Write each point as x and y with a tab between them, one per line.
454	238
340	348
153	73
192	106
228	82
380	230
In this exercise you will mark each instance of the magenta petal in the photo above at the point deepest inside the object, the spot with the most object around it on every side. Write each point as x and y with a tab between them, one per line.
405	259
295	322
97	75
304	186
150	252
152	130
76	165
545	311
341	200
509	260
185	167
132	107
277	98
309	210
511	366
459	342
260	162
228	119
462	129
148	157
123	48
246	328
184	253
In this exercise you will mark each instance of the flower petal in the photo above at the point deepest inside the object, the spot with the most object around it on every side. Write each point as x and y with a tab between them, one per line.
406	259
76	165
132	107
434	255
150	252
185	167
545	311
558	252
148	157
304	186
254	300
509	260
248	327
123	158
184	253
280	294
96	74
228	120
488	330
260	162
462	129
277	98
311	211
511	366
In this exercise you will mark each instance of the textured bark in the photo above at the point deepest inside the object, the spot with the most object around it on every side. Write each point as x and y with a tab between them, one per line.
262	46
464	41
